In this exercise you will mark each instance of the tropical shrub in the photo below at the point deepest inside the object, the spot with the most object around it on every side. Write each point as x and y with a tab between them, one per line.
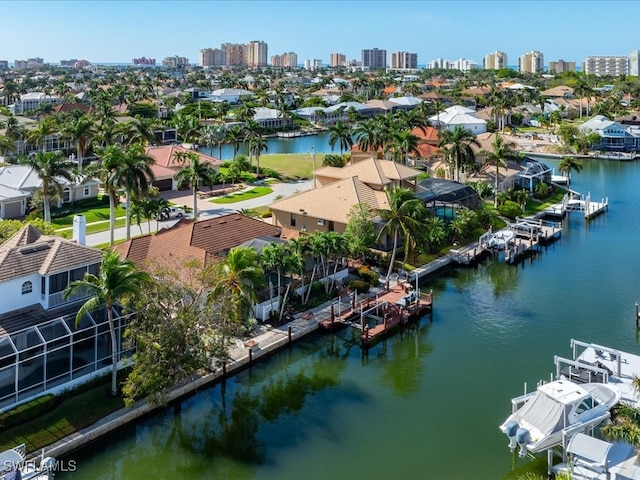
368	275
510	209
359	286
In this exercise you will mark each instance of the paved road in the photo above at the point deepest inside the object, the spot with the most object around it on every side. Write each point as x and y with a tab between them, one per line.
206	209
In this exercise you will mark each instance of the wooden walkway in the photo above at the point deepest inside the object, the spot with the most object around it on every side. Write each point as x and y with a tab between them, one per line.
575	202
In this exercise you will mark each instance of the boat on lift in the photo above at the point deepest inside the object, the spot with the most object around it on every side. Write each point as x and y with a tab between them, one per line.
555	411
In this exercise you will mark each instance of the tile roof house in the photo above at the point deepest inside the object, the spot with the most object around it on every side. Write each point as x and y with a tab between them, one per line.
325	209
458	115
36	268
204	241
165	167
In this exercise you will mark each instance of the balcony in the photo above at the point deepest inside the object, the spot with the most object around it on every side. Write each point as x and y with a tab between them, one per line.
55	299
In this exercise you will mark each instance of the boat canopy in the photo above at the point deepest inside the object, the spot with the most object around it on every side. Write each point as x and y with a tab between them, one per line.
592	452
544	413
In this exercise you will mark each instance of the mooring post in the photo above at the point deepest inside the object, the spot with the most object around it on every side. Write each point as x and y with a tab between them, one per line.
250	355
224	368
637	315
289	333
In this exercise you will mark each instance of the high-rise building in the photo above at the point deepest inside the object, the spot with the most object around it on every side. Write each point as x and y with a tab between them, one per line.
463	64
561	66
212	57
255	54
143	61
374	59
495	61
68	63
235	53
175	62
438	63
286	60
404	60
312	64
634	62
531	62
338	60
4	64
601	65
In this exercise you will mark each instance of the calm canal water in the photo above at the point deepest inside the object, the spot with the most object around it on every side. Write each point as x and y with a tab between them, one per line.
426	403
280	145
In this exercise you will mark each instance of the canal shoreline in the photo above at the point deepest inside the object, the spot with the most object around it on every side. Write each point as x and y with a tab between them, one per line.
269	340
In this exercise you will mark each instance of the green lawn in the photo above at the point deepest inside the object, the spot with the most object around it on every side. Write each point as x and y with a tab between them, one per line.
93	212
75	413
255	192
292	165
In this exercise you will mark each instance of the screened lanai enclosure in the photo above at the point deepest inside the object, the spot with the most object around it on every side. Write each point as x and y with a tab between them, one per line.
40	357
443	197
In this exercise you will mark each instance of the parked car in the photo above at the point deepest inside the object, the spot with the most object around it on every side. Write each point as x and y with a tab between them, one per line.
170	212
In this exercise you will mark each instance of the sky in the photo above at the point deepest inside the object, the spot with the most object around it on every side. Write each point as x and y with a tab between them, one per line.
119	30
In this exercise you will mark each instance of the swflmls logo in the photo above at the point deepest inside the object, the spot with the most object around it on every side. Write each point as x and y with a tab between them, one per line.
51	465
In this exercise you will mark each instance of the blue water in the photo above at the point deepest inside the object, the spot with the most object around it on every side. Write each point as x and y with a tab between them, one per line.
426	403
280	145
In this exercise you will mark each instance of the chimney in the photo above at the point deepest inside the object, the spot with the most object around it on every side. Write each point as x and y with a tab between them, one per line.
80	229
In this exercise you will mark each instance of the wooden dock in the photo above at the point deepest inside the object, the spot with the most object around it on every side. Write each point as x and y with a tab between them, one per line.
393	308
575	202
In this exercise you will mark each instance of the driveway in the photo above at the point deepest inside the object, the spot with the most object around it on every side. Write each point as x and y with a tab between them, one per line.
205	208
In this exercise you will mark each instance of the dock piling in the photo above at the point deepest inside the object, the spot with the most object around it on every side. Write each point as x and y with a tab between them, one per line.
637	316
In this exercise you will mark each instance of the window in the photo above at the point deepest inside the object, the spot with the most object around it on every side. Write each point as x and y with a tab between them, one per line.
27	287
58	282
293	220
66	195
321	222
87	191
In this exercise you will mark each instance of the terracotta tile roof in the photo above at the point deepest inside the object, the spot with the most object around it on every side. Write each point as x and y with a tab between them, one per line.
370	171
71	107
429	134
28	252
390	90
333	202
204	241
164	165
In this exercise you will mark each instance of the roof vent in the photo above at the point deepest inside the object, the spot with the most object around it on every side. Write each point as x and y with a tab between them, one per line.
36	247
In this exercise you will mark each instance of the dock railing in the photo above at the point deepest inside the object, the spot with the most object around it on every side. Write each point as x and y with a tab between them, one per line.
591	369
599	350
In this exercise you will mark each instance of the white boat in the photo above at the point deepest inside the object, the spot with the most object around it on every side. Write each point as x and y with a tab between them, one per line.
500	239
15	466
556	411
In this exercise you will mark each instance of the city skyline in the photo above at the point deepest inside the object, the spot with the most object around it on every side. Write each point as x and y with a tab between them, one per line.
117	31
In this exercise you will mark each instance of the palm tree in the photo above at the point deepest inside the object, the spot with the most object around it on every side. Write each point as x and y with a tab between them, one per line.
134	174
235	136
81	131
6	145
196	173
456	144
50	167
500	153
237	279
141	130
404	217
569	164
366	133
340	133
45	129
257	145
111	161
117	281
582	89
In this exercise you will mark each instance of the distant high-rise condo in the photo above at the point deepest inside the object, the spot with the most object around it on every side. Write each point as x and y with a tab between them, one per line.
338	60
235	53
312	63
600	65
561	66
212	57
634	62
374	59
404	60
255	54
4	64
175	62
68	63
495	61
531	62
143	61
286	60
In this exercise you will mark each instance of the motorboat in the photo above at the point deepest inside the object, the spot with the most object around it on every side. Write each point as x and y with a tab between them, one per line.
500	239
15	466
555	411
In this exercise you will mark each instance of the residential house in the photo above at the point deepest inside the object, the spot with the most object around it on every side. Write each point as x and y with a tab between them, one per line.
271	118
30	102
205	241
230	95
614	137
165	167
42	349
458	115
19	182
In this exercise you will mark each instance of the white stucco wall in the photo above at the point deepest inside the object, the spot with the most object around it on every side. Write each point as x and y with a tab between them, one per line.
12	297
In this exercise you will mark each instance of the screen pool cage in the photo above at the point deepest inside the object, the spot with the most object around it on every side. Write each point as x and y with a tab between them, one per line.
50	354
